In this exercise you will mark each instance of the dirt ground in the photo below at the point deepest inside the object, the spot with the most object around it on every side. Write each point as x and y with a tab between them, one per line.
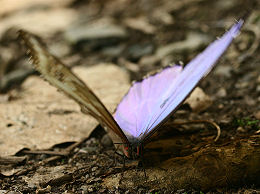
130	39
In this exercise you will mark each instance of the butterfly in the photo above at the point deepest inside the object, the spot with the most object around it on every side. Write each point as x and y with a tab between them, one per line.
148	103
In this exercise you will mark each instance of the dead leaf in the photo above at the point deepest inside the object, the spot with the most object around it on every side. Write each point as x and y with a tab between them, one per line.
30	121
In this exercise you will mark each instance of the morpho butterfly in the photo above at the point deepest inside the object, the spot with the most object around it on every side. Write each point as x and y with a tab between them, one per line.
148	103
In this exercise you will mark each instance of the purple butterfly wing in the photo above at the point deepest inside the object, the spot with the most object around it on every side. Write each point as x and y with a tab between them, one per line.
141	111
137	106
198	68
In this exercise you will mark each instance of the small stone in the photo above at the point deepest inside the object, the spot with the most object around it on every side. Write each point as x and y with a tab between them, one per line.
257	115
241	129
99	29
84	188
136	51
223	70
113	51
258	88
198	100
220	106
193	41
94	168
106	141
250	101
141	24
258	79
221	93
90	189
180	191
149	60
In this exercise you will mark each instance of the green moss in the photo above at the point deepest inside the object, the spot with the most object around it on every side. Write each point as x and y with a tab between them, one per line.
246	122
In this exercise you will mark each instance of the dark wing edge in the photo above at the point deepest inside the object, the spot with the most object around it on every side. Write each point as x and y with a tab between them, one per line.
60	76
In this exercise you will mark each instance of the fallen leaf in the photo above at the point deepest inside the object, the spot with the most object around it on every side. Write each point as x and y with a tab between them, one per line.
31	121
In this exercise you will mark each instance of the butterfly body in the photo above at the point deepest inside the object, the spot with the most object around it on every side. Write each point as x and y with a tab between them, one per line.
148	103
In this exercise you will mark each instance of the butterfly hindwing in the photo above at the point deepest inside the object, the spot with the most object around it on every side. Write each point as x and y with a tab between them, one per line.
57	74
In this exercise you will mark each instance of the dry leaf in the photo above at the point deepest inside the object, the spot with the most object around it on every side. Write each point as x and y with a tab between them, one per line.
44	117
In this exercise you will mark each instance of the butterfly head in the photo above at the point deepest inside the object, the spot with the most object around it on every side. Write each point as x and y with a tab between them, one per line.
133	151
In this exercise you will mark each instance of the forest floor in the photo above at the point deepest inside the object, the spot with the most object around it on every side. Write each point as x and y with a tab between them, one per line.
130	39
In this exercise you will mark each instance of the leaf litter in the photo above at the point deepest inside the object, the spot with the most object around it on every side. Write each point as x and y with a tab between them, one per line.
185	159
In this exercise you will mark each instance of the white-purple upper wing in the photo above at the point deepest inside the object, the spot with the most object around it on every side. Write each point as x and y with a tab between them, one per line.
150	102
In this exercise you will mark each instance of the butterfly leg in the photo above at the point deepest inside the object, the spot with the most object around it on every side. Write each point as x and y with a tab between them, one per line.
142	160
124	158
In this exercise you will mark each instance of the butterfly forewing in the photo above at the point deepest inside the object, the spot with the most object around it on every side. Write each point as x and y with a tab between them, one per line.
157	97
198	68
56	73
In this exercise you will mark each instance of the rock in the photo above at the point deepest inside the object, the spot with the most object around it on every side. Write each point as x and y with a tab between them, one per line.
198	100
106	141
98	29
150	60
60	49
193	41
136	51
113	51
241	129
221	93
257	115
223	70
163	17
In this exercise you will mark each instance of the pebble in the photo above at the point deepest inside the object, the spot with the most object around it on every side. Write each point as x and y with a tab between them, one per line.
149	60
221	93
136	51
241	129
257	115
106	141
193	41
223	71
94	168
99	29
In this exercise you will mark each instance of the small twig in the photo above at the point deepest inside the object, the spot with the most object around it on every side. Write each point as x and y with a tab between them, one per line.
202	121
